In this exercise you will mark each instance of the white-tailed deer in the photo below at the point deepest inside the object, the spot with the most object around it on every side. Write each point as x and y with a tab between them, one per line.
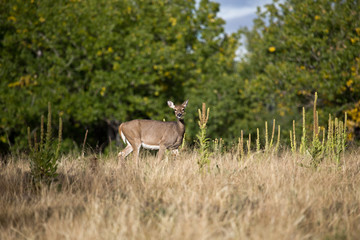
151	134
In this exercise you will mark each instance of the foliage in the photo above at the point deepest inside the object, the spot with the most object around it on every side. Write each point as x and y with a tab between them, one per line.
298	47
103	62
44	155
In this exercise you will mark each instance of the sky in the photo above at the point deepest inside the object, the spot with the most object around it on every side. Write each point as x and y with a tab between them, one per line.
239	13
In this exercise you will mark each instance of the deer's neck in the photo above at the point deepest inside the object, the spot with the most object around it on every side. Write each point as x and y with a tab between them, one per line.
181	125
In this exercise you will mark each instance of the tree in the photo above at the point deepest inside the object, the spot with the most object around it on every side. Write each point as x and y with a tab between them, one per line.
297	48
103	62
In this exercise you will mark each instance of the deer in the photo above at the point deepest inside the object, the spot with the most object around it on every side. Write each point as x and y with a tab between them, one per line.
153	134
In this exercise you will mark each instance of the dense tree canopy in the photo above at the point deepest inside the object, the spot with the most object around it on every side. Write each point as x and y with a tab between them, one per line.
299	47
103	61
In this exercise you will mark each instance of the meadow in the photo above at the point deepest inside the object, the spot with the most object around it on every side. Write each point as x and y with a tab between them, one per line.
262	196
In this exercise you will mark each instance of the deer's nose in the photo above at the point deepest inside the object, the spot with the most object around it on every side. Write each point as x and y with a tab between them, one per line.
179	114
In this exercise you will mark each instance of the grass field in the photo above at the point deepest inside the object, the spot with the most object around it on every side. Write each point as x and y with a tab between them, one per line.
262	197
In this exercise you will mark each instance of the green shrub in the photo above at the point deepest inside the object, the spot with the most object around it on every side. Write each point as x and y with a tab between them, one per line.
44	154
203	141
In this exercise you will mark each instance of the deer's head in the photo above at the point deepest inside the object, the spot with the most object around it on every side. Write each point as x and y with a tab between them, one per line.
179	109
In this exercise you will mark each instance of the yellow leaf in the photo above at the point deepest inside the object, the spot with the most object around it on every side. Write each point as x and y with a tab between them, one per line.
102	92
41	19
272	49
349	82
357	31
3	139
116	66
353	40
173	21
317	17
12	18
14	84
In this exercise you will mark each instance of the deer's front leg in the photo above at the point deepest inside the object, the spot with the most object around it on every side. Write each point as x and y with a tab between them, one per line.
136	153
175	152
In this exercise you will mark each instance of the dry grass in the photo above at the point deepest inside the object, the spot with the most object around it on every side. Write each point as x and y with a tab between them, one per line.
263	197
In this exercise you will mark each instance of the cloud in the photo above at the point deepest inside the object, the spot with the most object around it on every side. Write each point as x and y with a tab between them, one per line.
229	13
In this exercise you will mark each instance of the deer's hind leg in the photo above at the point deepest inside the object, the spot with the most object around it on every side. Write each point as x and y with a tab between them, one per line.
126	151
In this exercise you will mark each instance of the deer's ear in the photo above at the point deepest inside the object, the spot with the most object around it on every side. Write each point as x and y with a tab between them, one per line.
185	103
171	104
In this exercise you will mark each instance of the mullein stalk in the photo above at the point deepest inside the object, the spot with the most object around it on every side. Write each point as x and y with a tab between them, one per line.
344	134
42	132
249	145
291	142
266	137
337	142
203	140
328	143
315	129
272	134
241	145
316	149
303	137
323	143
336	132
294	138
278	140
257	140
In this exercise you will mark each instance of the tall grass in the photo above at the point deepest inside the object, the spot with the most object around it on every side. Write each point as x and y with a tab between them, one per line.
264	197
